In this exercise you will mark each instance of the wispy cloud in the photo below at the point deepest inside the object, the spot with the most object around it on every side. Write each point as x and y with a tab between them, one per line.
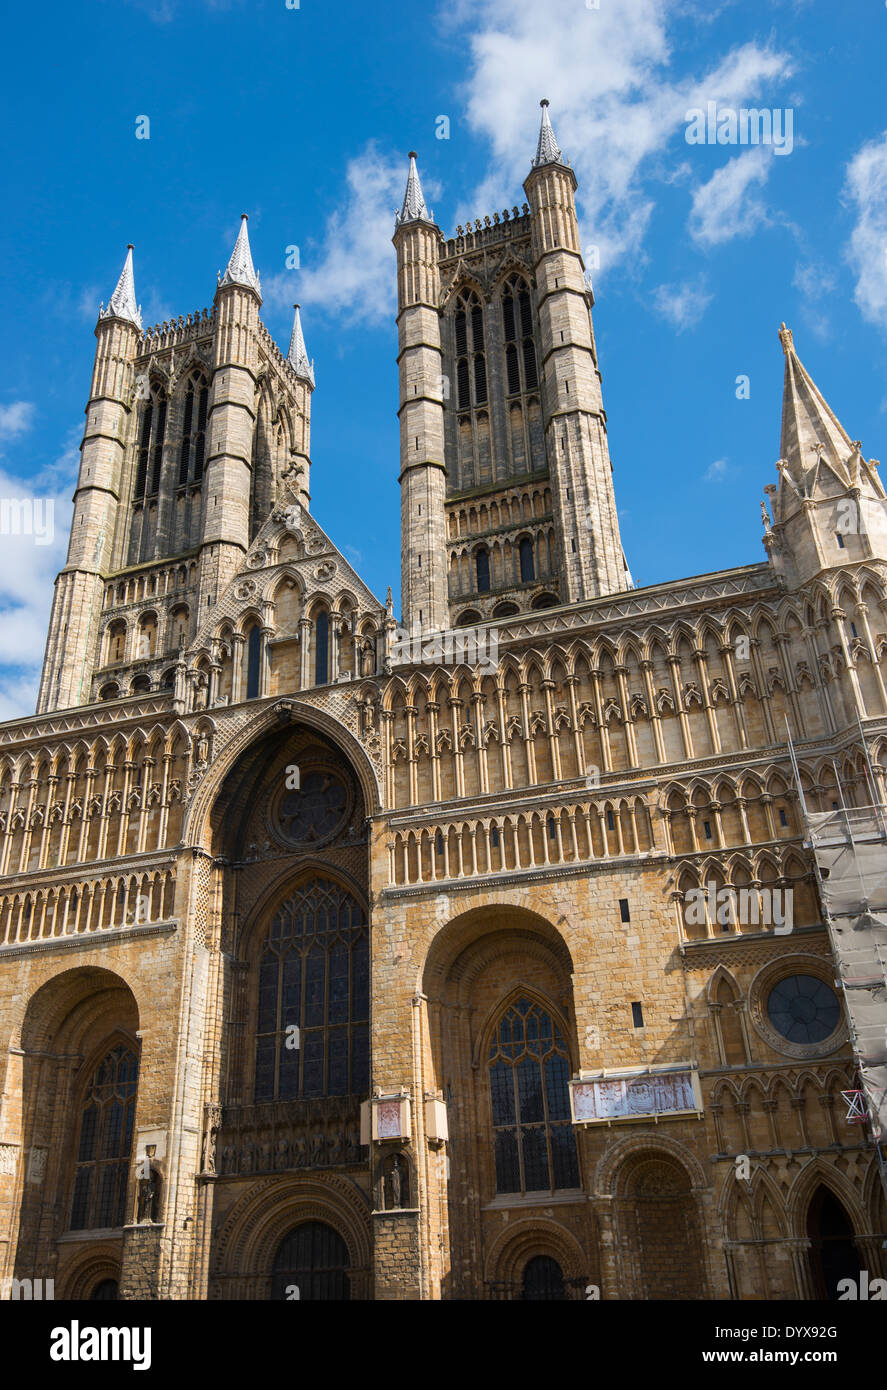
725	206
616	108
353	275
866	191
814	282
682	305
28	570
716	472
15	419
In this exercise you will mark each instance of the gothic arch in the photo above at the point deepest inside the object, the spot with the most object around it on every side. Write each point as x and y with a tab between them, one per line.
269	1210
277	714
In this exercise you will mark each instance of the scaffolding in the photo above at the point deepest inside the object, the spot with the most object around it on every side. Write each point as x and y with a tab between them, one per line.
849	846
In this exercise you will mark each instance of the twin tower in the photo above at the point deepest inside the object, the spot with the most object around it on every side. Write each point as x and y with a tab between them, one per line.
507	497
198	428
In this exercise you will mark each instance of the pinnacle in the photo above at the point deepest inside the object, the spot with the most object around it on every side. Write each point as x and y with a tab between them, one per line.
547	150
414	209
122	304
240	269
297	357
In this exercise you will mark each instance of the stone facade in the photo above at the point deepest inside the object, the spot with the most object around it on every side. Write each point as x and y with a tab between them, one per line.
253	850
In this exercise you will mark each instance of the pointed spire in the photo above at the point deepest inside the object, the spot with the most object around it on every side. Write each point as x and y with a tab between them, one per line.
240	267
297	357
810	429
122	304
547	150
414	209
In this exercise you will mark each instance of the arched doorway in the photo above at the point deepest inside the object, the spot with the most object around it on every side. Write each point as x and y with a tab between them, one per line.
833	1255
105	1291
312	1259
659	1229
543	1281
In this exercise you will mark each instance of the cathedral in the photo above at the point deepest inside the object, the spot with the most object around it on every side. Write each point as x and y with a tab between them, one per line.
474	953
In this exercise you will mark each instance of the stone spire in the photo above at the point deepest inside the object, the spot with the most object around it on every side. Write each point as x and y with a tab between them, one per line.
811	432
547	151
240	267
122	304
414	209
297	357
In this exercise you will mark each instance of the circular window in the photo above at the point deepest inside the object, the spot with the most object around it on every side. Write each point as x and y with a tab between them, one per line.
803	1009
315	811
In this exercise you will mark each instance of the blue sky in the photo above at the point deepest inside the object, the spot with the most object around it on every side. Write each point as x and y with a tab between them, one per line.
303	117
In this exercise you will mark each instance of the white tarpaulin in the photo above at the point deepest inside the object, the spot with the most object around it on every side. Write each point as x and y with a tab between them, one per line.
851	852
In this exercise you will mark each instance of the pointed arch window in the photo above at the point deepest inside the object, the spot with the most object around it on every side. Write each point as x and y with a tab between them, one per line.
253	662
193	445
104	1142
529	1068
151	438
314	978
517	321
471	364
321	648
158	436
527	560
482	568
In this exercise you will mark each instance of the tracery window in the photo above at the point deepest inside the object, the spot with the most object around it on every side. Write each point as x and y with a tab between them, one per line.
314	978
535	1147
104	1143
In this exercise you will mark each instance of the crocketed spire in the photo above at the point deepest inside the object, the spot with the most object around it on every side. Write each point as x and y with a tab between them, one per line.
547	151
297	357
122	304
414	209
240	269
810	429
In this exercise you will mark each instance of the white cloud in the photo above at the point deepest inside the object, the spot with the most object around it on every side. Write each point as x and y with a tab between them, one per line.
15	419
814	281
615	101
354	276
724	207
28	570
866	189
682	305
616	106
716	471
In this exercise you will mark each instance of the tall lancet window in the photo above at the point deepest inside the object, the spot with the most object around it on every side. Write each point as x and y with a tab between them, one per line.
520	346
193	447
151	436
471	364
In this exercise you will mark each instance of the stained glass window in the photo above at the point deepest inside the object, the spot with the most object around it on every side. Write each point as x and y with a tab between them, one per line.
535	1146
312	1037
104	1143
